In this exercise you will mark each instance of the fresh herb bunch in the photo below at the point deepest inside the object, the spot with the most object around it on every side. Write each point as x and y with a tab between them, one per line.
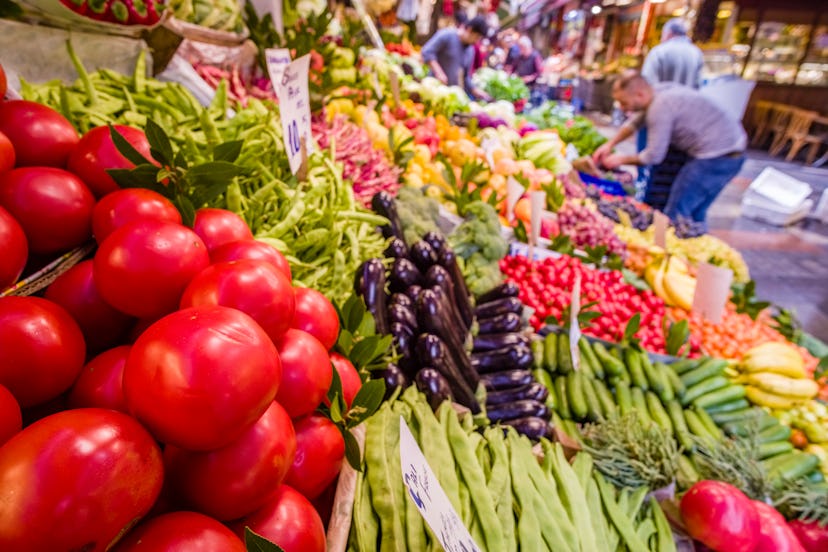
734	461
802	500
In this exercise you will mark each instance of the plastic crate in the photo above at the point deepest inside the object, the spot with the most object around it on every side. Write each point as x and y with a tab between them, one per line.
610	187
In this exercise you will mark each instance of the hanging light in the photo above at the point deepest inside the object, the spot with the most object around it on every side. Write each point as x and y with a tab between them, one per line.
595	10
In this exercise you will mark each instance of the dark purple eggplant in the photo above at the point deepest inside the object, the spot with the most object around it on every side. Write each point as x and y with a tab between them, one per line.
397	329
404	316
434	385
506	289
535	391
434	316
404	339
403	275
517	409
436	241
532	427
498	306
438	277
423	256
370	284
394	378
383	204
413	292
396	249
513	357
487	342
448	260
454	320
507	379
431	351
401	299
504	323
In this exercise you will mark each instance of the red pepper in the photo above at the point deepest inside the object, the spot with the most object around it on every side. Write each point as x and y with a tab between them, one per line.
812	535
774	533
720	516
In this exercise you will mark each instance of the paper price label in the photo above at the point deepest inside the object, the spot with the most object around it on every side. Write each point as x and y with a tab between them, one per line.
661	222
277	59
514	191
424	489
712	291
574	326
294	109
537	203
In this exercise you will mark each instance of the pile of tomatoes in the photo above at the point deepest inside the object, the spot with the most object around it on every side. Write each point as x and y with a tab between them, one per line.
161	395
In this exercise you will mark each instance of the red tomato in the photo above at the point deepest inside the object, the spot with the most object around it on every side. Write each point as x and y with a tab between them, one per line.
317	316
812	536
15	249
41	136
143	267
289	520
2	83
306	373
41	349
774	533
235	480
320	450
251	249
123	206
219	226
100	383
52	205
11	420
198	378
95	152
75	480
720	516
181	532
348	375
7	156
256	288
102	325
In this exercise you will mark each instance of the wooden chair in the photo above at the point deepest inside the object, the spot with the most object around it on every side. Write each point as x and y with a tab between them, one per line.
779	118
799	133
760	117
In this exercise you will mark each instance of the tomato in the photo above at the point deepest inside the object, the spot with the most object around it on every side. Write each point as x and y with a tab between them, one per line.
7	156
120	207
100	383
95	152
235	480
256	288
15	249
812	536
288	520
52	205
720	516
306	373
198	378
41	349
251	249
75	480
219	226
348	375
143	267
180	532
2	83
11	420
320	450
317	316
102	325
774	533
41	136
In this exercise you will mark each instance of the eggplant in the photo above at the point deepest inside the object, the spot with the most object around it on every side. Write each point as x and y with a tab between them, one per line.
517	409
437	242
394	378
532	427
401	299
435	387
413	292
498	306
506	289
448	260
454	319
504	323
396	249
438	277
431	351
535	391
403	275
498	381
403	339
404	316
423	256
433	316
370	284
383	204
513	357
487	342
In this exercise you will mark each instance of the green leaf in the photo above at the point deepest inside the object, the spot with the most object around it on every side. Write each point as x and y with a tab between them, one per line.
632	327
520	232
822	368
585	318
345	342
126	149
677	337
142	176
228	151
366	401
351	449
364	350
634	280
335	397
254	542
212	172
355	314
367	325
562	244
160	146
185	207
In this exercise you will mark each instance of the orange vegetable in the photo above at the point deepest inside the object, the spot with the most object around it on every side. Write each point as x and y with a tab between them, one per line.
798	439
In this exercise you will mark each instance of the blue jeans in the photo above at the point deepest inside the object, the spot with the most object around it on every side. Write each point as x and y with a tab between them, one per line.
697	185
645	172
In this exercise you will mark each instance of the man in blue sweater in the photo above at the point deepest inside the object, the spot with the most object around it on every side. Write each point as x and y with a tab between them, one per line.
450	54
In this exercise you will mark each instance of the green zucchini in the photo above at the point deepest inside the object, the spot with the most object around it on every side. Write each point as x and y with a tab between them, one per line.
612	365
778	432
623	397
550	352
605	397
595	411
732	406
774	448
563	399
657	412
722	396
709	424
676	413
537	354
577	401
685	365
639	403
657	378
737	416
708	369
586	351
704	387
673	379
695	425
546	379
633	361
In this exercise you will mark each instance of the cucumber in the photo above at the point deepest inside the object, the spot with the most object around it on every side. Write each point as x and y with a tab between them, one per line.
571	429
633	361
685	365
564	355
673	379
732	406
563	400
758	422
704	387
623	397
550	353
585	367
695	425
778	432
612	365
575	392
639	403
657	376
537	354
722	396
737	416
790	466
709	424
595	410
676	413
605	397
774	448
547	381
657	412
708	369
586	351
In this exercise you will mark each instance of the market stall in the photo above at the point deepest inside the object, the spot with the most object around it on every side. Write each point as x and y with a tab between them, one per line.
296	293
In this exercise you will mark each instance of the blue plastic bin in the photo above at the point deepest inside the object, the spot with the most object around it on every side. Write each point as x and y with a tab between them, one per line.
610	187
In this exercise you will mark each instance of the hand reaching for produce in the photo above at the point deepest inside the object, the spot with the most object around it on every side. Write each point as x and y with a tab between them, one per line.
601	152
612	161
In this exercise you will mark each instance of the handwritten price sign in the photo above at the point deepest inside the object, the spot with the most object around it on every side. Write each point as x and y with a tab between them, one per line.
294	108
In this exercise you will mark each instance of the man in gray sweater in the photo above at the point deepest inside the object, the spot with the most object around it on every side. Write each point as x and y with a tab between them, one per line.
684	118
676	59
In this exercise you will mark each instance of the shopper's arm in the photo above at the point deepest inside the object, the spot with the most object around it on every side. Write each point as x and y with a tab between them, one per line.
604	150
429	53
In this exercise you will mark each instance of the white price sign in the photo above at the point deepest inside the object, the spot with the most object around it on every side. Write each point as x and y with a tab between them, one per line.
574	326
712	291
430	498
294	108
661	222
277	59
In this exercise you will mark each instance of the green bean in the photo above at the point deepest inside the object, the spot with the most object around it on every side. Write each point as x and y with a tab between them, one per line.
414	526
500	487
645	530
664	534
574	500
528	525
365	526
618	517
385	476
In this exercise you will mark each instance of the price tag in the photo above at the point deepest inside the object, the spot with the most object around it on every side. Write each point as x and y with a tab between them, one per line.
574	327
660	222
537	203
394	79
430	498
712	291
277	59
294	108
514	191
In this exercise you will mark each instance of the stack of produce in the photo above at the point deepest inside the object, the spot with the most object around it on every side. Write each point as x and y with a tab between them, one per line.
500	85
775	377
585	227
545	150
640	215
479	246
809	423
573	129
220	15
